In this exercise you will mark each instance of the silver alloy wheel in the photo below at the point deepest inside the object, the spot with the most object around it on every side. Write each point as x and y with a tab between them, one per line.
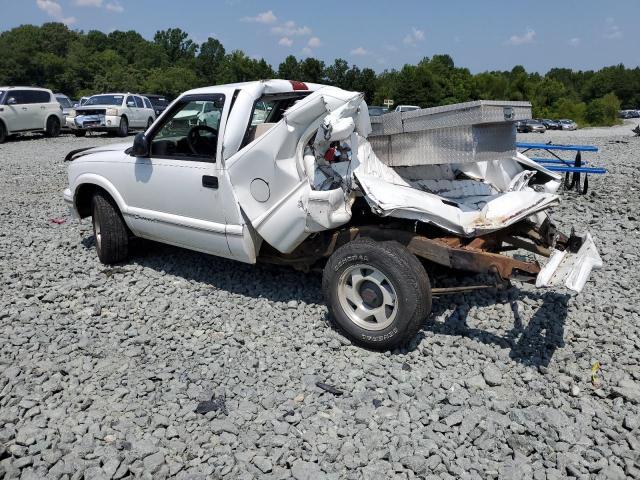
367	297
98	232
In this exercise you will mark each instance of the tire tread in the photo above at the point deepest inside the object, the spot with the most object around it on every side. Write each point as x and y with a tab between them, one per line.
115	235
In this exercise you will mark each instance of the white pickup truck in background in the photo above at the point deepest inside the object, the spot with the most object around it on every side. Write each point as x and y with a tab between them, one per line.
284	172
117	113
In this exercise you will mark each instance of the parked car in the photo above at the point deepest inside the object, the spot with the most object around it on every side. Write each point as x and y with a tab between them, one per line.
530	126
375	111
407	108
28	109
112	112
159	102
549	124
627	114
274	192
65	102
81	102
568	124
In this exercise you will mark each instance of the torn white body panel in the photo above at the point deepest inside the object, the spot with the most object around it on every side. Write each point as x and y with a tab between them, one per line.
570	269
464	207
271	180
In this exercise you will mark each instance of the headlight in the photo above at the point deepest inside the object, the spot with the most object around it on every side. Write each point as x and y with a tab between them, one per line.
72	113
112	112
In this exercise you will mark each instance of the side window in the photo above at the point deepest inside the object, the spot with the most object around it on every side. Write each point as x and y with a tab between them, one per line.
41	96
190	132
261	112
19	95
139	103
131	103
147	103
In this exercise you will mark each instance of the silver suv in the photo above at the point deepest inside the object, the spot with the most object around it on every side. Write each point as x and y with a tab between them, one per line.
27	109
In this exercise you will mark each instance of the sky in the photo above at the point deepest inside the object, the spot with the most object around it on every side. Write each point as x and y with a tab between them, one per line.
479	34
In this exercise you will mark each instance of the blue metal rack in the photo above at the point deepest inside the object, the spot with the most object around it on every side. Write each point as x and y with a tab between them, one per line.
571	168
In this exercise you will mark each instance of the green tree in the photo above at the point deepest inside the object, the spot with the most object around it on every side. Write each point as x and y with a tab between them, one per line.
176	43
336	73
312	70
289	69
209	61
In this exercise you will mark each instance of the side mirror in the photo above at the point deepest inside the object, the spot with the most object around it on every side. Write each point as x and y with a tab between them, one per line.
140	146
12	101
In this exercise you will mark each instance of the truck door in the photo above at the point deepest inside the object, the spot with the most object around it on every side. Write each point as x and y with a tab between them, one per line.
19	111
175	194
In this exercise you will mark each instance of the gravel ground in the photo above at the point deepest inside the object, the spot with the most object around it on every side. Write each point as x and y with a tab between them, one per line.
102	369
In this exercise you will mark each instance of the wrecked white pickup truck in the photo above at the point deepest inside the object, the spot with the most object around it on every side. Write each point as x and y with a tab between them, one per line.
295	174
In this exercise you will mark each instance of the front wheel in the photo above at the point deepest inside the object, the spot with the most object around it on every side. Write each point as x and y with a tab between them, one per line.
3	133
123	131
109	229
378	292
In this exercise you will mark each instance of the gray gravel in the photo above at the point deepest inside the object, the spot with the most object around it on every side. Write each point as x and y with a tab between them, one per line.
102	369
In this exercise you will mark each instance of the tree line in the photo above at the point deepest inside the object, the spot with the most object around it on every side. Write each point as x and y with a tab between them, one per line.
79	63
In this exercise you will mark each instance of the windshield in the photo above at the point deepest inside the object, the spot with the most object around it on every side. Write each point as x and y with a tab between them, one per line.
64	101
104	100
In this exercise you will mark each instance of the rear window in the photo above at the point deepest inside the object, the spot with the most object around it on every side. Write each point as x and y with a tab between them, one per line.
104	100
147	103
159	102
64	101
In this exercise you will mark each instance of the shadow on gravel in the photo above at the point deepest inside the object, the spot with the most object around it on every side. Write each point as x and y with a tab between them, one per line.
273	282
532	344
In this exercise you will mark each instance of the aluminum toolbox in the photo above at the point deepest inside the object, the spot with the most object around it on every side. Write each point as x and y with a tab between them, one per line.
460	133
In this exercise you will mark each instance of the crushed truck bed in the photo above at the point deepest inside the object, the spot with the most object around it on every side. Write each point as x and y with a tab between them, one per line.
304	174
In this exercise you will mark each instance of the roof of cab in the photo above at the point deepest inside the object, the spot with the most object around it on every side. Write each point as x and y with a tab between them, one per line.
266	86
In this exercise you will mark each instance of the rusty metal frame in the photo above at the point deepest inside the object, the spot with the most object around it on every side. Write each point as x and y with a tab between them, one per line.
476	256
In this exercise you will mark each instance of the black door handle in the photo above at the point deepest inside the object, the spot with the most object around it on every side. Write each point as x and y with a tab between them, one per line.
209	181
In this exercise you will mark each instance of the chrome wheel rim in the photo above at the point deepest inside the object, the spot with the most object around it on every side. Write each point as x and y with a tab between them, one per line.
367	297
97	231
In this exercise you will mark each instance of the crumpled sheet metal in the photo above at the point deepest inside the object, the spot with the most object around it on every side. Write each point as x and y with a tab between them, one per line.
390	195
570	269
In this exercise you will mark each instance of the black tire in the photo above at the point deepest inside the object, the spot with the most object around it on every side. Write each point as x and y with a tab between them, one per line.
53	127
149	123
80	133
3	133
123	130
405	279
109	229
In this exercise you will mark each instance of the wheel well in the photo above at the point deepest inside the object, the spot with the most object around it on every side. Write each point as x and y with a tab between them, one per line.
83	196
52	116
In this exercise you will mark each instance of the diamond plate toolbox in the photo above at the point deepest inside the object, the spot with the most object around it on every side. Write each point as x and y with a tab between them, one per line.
460	133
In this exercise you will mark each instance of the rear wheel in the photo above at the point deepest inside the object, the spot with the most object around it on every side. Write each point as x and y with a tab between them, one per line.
378	292
109	229
53	127
149	123
3	133
123	131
